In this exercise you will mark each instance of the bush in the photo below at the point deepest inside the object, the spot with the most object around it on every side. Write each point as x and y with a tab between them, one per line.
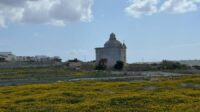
119	65
101	65
171	65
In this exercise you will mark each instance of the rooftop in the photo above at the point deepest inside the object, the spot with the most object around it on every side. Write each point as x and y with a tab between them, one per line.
113	42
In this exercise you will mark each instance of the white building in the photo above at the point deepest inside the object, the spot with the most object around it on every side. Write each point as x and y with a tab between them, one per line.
42	58
112	51
38	58
75	64
7	56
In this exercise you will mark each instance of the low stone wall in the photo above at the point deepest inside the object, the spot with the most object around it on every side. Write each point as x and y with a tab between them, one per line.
26	64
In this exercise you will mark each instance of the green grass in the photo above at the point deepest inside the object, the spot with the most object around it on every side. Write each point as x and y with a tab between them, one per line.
40	73
176	94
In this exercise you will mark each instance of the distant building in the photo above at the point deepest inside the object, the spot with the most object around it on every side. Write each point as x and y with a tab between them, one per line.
39	59
42	58
75	64
112	51
7	56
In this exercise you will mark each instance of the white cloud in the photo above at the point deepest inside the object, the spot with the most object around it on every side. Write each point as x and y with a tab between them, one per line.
12	2
72	10
54	12
180	6
138	8
2	22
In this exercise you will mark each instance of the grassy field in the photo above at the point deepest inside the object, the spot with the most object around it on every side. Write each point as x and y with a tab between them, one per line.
177	94
40	75
35	75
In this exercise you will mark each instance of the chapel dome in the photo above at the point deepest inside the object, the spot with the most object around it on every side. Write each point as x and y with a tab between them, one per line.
113	42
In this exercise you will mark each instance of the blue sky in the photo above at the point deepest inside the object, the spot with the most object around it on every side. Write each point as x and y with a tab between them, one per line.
153	30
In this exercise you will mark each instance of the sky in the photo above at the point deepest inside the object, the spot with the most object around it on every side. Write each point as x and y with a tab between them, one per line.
153	30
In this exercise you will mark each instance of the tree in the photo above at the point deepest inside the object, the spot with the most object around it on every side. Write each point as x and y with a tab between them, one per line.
57	59
74	60
172	65
119	65
101	64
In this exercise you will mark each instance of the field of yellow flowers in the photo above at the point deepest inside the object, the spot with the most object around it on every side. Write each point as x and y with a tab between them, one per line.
175	94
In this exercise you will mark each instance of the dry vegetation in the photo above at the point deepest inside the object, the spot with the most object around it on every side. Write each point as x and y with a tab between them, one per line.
177	94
